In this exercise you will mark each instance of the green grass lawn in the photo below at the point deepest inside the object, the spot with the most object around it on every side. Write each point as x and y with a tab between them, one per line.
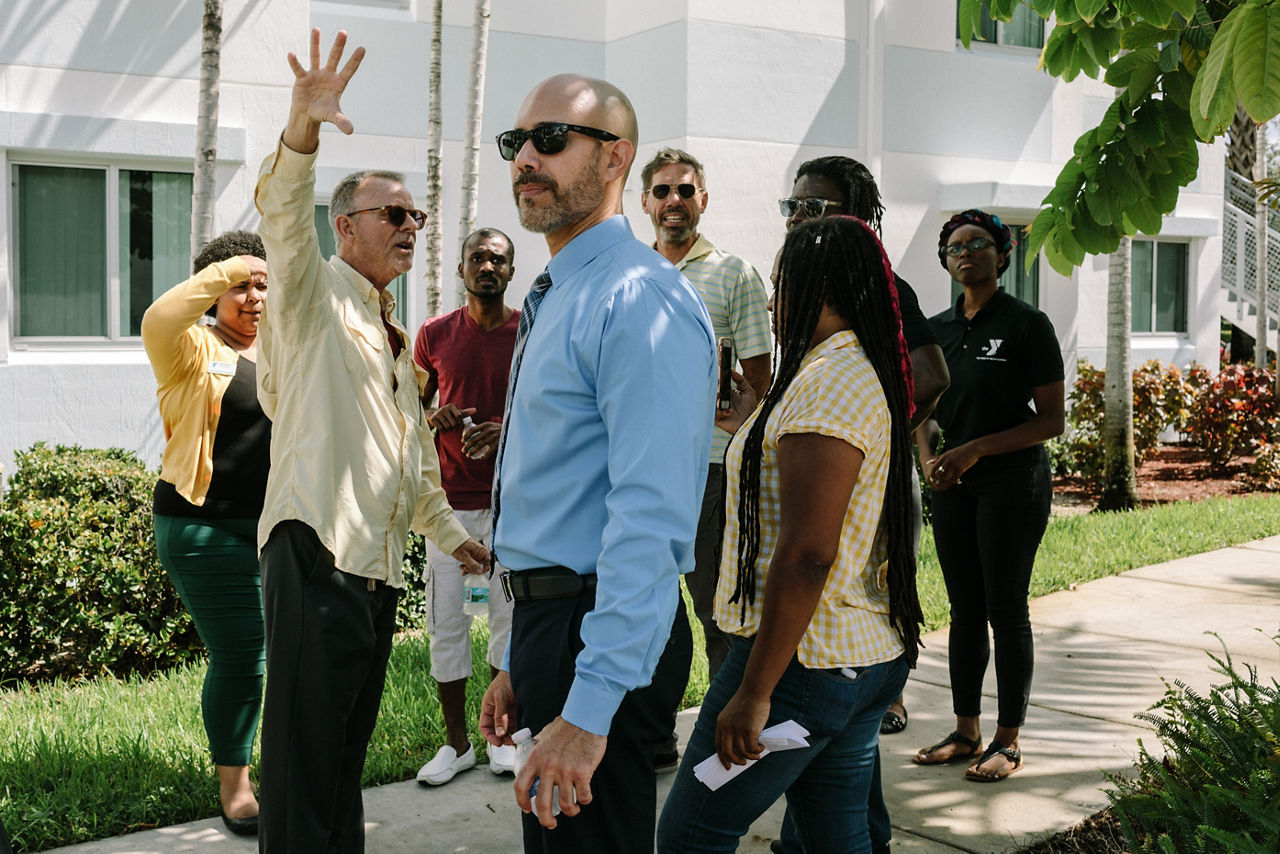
83	761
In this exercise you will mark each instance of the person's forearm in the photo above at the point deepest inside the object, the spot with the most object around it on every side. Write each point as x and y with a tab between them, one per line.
931	379
791	595
1040	429
926	436
301	133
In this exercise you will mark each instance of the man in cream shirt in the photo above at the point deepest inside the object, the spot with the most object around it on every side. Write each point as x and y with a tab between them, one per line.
352	464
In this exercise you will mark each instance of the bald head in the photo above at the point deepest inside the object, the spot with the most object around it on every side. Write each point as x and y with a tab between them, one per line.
585	101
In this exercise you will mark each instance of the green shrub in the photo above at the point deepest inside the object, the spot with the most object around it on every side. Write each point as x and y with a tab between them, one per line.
1160	401
1234	412
85	593
411	612
1217	788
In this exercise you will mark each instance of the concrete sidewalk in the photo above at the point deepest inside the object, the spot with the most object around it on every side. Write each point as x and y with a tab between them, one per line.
1101	654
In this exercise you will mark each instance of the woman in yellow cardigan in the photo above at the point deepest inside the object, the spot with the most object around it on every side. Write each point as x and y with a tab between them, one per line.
211	487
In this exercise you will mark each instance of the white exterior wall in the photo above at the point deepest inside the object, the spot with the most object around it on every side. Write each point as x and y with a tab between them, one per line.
751	87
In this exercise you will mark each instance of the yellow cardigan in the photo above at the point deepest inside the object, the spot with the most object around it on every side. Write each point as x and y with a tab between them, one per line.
190	394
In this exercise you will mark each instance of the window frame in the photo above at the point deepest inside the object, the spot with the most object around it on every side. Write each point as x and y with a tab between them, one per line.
1155	279
110	167
999	43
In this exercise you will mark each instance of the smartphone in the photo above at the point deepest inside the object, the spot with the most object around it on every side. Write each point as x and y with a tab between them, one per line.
724	397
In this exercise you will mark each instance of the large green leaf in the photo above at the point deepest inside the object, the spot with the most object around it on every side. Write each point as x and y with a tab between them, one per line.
1185	8
1101	205
968	20
1170	56
1216	73
1002	10
1158	12
1149	123
1037	232
1143	34
1122	69
1256	61
1213	98
1200	29
1089	9
1067	243
1115	116
1057	53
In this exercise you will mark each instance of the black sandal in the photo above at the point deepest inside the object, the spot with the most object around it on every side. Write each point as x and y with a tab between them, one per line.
974	745
1013	754
892	722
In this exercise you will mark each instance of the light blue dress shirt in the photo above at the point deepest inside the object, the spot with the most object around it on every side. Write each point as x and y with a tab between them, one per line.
606	452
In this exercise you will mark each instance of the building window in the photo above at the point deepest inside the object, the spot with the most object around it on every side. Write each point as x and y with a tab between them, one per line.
1025	30
95	246
1158	291
324	231
1016	280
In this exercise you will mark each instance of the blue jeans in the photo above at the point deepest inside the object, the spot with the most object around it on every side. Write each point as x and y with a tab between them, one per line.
826	784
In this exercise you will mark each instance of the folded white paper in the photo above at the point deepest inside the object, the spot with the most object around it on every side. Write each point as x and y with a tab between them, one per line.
784	736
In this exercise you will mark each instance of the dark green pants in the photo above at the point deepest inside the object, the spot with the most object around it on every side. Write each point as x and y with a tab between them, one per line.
214	565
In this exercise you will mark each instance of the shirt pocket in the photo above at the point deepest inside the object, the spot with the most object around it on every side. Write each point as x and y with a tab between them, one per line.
362	342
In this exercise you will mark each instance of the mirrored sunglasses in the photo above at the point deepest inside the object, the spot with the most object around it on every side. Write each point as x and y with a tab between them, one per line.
974	246
549	138
661	191
396	214
812	208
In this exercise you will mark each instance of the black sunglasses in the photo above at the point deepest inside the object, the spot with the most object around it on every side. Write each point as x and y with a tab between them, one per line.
661	191
550	138
396	214
974	246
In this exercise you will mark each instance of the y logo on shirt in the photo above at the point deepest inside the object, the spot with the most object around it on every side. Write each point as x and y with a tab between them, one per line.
991	352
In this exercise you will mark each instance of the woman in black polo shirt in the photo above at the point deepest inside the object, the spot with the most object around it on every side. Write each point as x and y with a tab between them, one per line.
991	485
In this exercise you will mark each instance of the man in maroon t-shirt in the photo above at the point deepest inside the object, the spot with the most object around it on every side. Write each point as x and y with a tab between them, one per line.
467	355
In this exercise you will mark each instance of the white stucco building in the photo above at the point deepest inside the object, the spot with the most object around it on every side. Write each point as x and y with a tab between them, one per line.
97	130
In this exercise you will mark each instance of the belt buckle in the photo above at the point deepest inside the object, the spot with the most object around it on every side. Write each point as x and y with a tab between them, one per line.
505	579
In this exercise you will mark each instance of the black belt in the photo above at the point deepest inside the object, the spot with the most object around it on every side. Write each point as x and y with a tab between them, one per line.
555	582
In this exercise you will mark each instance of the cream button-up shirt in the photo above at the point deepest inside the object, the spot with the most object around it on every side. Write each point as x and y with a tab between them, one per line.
351	453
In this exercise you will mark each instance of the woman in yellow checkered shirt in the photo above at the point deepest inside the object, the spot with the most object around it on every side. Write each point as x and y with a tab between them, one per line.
817	579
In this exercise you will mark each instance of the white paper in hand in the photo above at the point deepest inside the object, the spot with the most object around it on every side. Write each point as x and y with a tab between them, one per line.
784	736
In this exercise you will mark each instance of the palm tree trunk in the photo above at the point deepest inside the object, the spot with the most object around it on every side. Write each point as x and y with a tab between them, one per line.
1260	241
434	234
475	114
1119	484
204	183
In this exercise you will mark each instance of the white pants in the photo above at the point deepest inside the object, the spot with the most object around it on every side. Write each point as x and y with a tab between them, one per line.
448	626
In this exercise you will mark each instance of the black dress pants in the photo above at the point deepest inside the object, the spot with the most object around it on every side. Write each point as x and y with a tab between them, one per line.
621	818
987	529
328	642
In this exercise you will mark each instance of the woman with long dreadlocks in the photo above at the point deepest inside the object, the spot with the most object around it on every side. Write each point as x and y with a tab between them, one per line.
817	579
991	486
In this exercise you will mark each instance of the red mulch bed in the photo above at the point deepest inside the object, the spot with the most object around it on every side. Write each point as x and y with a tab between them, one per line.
1175	473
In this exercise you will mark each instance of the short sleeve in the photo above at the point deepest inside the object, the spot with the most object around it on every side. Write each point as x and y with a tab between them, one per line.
1043	355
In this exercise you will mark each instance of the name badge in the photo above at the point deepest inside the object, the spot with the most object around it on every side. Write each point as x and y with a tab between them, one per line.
225	369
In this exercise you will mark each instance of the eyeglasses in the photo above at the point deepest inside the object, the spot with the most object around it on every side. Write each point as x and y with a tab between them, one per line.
974	246
812	208
550	138
661	191
396	214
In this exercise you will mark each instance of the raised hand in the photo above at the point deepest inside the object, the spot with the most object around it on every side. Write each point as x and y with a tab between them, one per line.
317	91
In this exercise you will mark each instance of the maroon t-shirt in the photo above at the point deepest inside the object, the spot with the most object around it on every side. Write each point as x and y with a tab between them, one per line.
470	367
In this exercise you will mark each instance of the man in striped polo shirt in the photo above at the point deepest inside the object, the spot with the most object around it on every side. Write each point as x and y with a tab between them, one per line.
675	195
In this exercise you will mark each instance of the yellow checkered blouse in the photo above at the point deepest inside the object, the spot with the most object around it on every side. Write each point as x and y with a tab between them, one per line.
836	393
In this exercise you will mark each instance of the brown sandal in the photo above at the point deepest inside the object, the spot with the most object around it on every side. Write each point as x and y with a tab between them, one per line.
1013	754
974	745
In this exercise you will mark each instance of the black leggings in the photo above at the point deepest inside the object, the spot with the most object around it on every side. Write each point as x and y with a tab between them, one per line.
987	529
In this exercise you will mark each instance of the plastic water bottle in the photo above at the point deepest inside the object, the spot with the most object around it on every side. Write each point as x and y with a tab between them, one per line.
524	746
475	594
468	424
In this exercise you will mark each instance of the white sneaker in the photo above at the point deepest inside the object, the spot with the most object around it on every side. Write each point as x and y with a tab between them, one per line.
446	763
502	759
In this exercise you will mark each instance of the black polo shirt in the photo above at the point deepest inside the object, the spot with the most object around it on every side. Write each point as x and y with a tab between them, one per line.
995	360
915	327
